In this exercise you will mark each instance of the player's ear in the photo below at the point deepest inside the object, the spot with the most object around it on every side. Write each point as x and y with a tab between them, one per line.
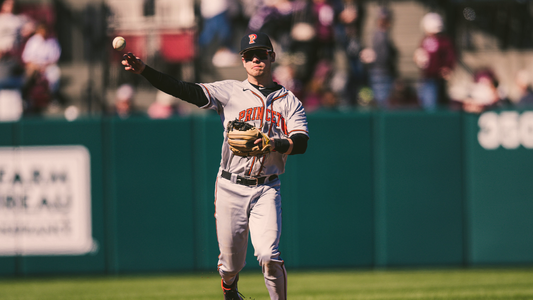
272	56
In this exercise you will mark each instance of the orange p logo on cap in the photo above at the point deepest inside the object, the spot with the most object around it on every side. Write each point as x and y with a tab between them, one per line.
252	38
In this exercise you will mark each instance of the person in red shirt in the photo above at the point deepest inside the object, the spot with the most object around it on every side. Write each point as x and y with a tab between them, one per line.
436	58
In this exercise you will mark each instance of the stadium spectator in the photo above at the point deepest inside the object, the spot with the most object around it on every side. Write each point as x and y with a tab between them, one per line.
329	101
485	93
523	82
303	41
124	101
318	87
381	59
402	95
275	17
284	74
12	31
164	106
348	38
41	54
436	59
217	28
324	16
11	70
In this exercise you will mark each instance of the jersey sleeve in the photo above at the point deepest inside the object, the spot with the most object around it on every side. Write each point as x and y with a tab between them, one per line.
218	93
296	118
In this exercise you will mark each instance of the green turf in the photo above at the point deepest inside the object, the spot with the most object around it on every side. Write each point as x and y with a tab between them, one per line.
480	284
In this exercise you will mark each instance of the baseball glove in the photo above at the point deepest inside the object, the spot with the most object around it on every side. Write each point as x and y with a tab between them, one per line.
242	137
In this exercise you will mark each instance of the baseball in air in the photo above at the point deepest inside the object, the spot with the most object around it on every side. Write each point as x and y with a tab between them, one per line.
119	43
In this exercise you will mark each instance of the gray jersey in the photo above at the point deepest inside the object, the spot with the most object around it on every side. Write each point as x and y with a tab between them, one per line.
279	115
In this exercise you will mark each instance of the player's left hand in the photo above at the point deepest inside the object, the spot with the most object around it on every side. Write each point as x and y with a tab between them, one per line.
246	140
259	142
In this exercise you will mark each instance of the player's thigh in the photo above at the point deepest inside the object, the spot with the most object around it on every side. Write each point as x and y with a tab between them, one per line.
231	213
265	222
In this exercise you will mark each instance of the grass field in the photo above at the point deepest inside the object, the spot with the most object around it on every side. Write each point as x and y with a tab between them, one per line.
480	284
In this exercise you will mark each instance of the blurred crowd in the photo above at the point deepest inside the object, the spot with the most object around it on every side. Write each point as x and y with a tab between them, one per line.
29	75
312	35
322	58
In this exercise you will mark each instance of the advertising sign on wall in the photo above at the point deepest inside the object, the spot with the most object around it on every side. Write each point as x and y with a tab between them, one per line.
509	129
45	201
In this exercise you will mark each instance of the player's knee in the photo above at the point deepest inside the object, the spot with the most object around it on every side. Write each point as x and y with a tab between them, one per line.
231	269
264	259
230	263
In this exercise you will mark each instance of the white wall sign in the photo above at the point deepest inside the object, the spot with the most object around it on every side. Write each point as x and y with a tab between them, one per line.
45	201
508	129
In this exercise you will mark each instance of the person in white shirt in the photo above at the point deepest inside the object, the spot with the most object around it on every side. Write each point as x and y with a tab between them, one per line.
10	28
11	72
41	55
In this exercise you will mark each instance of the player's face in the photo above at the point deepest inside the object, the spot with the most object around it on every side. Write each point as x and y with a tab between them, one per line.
257	62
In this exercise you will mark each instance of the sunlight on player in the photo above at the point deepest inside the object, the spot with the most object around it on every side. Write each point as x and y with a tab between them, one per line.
247	193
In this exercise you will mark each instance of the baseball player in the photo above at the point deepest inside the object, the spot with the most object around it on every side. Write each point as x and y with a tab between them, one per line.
247	191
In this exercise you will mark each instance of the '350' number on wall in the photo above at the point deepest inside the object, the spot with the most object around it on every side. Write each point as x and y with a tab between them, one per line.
508	129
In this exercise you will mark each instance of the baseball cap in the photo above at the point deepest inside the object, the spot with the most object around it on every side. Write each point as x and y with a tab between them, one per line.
255	40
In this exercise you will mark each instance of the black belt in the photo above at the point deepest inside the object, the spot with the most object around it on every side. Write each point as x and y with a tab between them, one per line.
249	181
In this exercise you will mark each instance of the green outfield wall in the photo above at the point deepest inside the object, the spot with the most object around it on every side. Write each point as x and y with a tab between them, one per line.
375	189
